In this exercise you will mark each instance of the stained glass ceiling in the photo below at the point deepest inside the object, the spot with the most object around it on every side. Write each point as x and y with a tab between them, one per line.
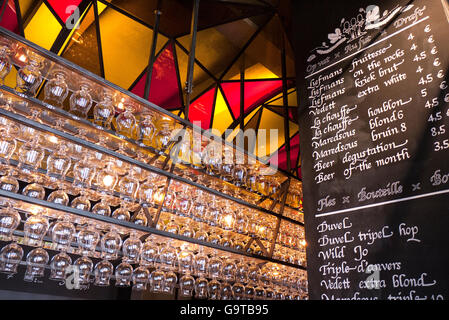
241	48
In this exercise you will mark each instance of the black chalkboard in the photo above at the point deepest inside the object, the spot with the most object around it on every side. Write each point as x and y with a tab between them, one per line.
374	128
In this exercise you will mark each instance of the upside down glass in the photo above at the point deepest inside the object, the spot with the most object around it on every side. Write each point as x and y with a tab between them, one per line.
121	213
123	275
84	172
170	280
110	245
56	89
62	233
81	101
8	145
163	136
37	259
58	163
140	278
103	272
201	288
238	291
5	62
186	285
84	266
34	190
126	122
226	291
59	196
9	221
132	248
147	128
157	279
104	111
29	77
88	239
10	257
35	228
59	265
149	253
214	290
9	182
82	202
31	154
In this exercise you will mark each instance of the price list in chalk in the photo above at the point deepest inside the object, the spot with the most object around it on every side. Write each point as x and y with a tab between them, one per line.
381	108
434	80
376	156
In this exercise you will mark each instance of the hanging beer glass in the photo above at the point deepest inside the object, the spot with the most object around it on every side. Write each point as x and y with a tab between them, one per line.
81	101
29	77
56	89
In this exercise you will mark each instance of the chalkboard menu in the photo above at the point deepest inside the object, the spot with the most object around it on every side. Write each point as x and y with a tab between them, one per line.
374	128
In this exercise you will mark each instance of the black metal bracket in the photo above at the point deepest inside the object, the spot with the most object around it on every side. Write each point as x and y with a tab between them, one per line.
278	223
157	13
191	63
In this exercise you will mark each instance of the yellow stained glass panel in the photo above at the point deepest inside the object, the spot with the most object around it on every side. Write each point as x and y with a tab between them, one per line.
177	113
101	6
250	116
201	80
271	120
25	5
257	71
43	28
126	47
76	28
222	116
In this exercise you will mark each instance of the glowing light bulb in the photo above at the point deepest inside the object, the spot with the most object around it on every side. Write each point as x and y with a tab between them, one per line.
229	220
120	105
303	243
53	139
158	197
108	180
22	58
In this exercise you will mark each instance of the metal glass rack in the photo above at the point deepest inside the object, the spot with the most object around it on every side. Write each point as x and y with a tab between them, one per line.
270	236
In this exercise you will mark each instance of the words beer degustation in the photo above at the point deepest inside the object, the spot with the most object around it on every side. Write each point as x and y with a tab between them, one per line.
375	153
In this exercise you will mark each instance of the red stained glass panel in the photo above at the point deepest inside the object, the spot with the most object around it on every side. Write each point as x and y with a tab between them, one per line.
201	109
64	8
164	90
279	159
9	20
256	92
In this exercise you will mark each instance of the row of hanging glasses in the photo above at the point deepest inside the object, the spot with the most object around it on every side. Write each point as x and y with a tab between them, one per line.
72	175
96	177
181	225
291	244
245	283
294	197
155	262
291	235
114	165
121	115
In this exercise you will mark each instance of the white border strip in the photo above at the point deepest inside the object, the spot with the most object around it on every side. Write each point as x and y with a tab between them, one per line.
382	203
371	45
